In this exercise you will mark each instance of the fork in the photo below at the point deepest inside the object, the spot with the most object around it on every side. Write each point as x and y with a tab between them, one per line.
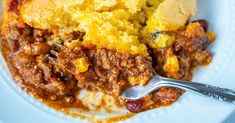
56	42
157	81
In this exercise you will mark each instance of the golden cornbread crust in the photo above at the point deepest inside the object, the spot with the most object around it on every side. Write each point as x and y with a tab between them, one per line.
108	46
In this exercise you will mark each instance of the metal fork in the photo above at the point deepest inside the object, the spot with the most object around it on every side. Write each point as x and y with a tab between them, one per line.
157	81
57	42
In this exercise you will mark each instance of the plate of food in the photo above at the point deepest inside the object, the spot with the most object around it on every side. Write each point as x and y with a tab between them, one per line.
74	58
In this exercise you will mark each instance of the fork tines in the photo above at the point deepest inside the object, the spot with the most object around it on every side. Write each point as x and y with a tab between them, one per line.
53	60
53	52
58	41
57	44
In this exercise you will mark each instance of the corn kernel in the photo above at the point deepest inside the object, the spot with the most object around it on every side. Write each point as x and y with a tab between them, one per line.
81	65
144	80
138	80
172	64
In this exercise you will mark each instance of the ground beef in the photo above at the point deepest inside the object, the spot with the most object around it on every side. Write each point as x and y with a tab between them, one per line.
109	70
26	51
190	48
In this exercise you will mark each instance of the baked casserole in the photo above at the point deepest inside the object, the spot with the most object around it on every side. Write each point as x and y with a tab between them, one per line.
102	46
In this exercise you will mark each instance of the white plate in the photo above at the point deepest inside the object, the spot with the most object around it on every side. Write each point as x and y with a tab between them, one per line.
16	106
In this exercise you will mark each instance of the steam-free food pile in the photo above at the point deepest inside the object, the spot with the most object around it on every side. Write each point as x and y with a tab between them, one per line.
54	48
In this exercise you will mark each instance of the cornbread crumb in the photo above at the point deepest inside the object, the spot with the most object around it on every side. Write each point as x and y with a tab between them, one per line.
162	41
171	15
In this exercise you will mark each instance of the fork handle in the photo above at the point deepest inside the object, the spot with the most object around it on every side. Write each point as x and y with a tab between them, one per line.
222	94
